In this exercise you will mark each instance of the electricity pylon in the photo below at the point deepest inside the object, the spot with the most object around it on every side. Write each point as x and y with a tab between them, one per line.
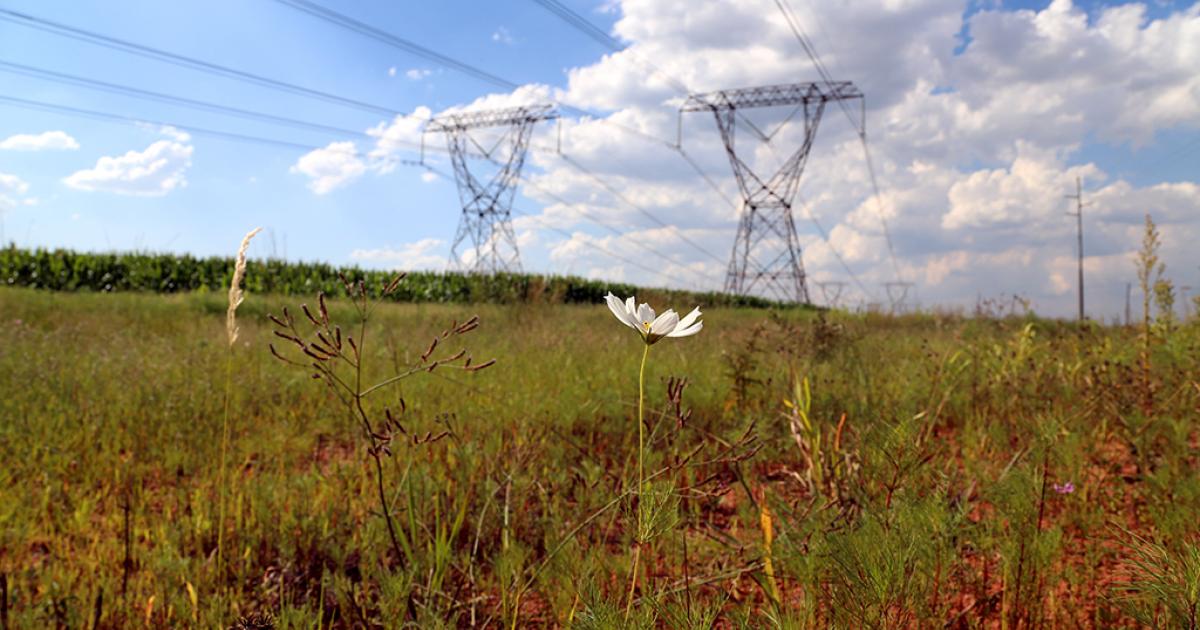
487	202
897	293
831	292
766	252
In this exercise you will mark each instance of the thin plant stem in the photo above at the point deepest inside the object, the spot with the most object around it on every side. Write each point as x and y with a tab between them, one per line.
641	428
374	450
637	542
221	471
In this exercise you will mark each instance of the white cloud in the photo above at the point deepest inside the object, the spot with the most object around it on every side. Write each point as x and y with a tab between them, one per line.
392	71
177	135
45	141
422	254
416	74
12	184
152	172
331	167
11	187
974	145
502	36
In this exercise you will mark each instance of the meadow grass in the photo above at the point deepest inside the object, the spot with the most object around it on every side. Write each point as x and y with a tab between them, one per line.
909	481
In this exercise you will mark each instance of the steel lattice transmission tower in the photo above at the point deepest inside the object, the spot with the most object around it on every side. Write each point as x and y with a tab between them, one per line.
766	251
487	201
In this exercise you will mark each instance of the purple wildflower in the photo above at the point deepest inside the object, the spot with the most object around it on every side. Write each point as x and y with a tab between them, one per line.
1064	488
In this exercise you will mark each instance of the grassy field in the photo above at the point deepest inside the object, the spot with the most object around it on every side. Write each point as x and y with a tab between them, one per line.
814	471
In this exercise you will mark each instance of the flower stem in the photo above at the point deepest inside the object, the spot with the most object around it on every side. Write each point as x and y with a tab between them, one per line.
637	542
641	429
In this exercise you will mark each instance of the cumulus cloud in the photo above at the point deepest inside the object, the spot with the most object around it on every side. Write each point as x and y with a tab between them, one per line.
416	74
330	167
422	254
975	141
45	141
11	187
152	172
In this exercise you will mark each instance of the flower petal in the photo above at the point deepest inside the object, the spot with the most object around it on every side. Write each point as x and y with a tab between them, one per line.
645	314
618	309
680	331
662	326
690	318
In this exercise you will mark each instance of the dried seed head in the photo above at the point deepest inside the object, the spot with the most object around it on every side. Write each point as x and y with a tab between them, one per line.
278	322
428	352
280	356
485	364
283	335
391	286
309	315
467	326
235	288
324	310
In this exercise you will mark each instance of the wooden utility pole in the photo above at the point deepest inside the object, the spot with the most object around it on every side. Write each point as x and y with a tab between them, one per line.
1078	214
1128	290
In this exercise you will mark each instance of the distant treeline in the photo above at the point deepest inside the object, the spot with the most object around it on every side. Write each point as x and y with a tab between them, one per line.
65	270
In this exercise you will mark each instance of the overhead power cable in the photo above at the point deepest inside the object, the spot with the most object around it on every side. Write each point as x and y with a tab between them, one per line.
216	107
245	138
591	30
366	30
860	126
125	90
592	244
114	43
204	131
617	194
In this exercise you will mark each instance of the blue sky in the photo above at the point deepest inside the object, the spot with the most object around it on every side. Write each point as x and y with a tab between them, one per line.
232	185
966	112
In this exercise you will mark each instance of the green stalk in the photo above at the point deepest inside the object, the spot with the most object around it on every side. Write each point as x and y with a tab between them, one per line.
641	428
641	478
221	471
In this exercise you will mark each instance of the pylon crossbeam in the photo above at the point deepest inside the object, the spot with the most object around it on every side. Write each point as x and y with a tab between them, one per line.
487	205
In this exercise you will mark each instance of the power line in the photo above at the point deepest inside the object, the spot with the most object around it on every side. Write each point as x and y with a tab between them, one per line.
860	126
125	90
569	235
209	106
576	207
148	52
244	138
616	193
591	30
581	23
829	242
369	31
110	117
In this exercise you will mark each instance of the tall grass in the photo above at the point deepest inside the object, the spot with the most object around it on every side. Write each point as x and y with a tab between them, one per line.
910	484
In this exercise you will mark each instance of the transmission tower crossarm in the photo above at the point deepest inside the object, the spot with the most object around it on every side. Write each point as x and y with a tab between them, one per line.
463	121
771	96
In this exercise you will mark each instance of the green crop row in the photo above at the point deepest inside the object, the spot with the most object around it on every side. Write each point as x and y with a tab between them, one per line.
66	270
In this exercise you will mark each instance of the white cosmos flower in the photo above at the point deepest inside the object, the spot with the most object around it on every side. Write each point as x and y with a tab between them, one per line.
641	318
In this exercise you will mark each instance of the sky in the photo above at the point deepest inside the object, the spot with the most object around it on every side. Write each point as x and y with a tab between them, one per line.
980	116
